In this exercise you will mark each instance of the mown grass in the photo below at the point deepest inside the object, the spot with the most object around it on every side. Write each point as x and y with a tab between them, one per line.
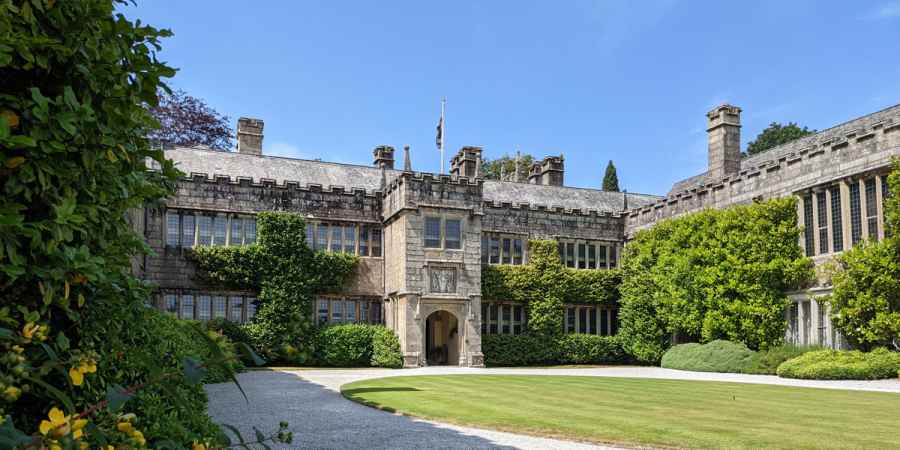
670	413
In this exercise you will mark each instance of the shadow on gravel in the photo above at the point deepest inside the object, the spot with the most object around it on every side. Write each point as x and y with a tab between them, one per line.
321	418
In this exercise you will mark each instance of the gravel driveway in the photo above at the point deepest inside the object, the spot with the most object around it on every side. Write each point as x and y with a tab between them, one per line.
321	418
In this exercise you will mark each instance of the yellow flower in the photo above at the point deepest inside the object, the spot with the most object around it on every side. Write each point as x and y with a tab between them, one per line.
76	375
139	437
77	425
11	393
57	426
55	446
198	446
18	349
83	446
124	427
88	366
28	330
110	447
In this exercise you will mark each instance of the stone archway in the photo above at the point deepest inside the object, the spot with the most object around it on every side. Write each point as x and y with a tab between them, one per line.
442	341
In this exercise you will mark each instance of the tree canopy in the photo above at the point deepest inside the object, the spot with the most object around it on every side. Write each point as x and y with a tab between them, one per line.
506	165
611	179
188	121
776	134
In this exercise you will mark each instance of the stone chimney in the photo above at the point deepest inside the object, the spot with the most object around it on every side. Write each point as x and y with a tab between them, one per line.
384	156
552	171
534	177
724	132
250	136
465	162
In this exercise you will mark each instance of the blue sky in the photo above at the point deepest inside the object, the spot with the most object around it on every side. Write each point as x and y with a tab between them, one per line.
593	80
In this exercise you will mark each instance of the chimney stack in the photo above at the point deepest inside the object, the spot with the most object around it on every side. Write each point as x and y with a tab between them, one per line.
724	132
465	162
552	171
384	156
535	176
250	136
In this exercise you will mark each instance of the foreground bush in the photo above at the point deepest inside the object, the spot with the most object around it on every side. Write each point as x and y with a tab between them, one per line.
235	333
357	345
529	349
766	362
716	356
842	365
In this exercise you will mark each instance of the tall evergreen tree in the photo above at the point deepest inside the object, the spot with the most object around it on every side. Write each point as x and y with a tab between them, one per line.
611	179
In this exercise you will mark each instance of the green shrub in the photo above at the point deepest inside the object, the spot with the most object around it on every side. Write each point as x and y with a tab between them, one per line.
766	362
842	365
356	345
716	356
235	333
532	349
386	349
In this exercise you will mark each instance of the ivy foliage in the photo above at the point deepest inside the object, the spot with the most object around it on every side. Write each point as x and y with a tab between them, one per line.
715	274
865	301
544	285
287	274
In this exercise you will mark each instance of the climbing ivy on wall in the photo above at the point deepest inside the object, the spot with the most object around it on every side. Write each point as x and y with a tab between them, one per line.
715	274
287	274
544	285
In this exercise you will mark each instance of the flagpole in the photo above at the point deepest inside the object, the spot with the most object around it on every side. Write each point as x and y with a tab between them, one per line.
443	132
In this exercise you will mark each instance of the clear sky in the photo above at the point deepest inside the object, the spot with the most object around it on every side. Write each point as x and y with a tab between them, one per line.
594	80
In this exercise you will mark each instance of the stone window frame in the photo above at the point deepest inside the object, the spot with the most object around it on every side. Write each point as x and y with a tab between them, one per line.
179	299
516	260
443	217
366	310
248	221
500	321
611	252
373	234
572	319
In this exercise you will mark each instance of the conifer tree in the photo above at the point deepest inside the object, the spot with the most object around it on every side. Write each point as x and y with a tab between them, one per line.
611	179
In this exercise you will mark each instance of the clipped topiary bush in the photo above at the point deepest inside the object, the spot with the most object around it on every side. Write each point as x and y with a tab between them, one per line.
716	356
531	349
386	349
766	362
842	365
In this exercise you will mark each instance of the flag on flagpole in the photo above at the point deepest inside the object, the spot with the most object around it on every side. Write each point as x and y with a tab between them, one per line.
440	133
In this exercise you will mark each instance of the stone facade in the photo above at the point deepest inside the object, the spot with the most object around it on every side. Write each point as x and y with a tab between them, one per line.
423	238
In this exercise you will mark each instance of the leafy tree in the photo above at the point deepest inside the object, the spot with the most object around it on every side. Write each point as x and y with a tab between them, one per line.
286	273
715	274
865	301
492	168
610	179
188	121
775	135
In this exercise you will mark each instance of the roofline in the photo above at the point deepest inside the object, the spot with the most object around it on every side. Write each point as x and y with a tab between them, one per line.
573	187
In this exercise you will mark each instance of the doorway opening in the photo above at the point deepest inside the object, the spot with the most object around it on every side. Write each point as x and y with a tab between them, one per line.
441	339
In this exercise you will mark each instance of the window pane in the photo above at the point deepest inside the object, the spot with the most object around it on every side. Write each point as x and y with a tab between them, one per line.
249	231
822	219
204	307
220	230
614	321
337	311
517	251
507	318
237	231
582	256
311	235
187	230
592	320
364	312
484	249
322	239
336	241
363	240
187	306
170	303
570	254
601	256
592	256
376	312
484	318
172	230
493	321
350	311
837	226
204	230
872	209
613	260
251	308
855	215
507	251
350	239
432	232
376	242
495	250
517	319
236	309
453	238
604	322
562	253
570	320
219	307
582	320
322	312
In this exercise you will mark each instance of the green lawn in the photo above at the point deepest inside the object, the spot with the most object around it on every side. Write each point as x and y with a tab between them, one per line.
671	413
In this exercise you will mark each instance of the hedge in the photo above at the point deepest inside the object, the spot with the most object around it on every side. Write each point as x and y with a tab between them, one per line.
716	356
356	345
533	349
843	365
766	362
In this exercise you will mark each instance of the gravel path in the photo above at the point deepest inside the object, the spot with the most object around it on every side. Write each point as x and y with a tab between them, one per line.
321	418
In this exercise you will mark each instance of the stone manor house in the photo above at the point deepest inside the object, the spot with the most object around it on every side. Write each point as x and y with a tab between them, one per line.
423	238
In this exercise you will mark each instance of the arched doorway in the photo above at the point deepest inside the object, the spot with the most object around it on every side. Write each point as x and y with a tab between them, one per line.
441	339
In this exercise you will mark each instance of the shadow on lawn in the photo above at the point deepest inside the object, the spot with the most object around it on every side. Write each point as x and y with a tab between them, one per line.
322	418
351	392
